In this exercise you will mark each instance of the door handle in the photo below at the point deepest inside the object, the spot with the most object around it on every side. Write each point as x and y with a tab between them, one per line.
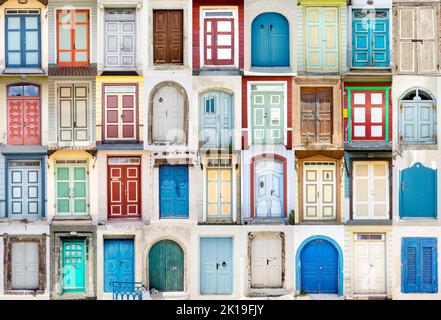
224	264
268	262
217	266
271	27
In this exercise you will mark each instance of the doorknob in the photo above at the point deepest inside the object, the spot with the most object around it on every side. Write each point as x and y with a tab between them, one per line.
224	264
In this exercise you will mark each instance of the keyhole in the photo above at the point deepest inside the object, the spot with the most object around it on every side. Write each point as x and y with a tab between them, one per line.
160	99
262	26
262	184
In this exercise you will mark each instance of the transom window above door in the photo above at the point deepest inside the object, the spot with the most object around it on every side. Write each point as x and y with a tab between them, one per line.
370	37
417	116
23	39
73	38
119	50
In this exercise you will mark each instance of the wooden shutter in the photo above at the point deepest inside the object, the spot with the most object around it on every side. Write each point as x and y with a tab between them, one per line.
427	35
425	122
324	114
408	122
406	34
308	105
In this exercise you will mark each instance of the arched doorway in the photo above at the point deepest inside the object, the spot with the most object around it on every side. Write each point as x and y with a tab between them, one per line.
270	41
166	266
319	266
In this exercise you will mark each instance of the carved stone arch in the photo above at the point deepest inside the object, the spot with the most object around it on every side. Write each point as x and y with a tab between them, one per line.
153	92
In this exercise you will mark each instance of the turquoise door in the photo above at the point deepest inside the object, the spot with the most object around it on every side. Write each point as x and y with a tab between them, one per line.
267	114
118	262
216	265
270	41
22	41
173	191
321	39
73	263
418	192
166	266
370	33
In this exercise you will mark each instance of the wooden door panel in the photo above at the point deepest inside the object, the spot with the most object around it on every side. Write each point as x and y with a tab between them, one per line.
219	41
15	122
316	113
168	36
32	121
406	33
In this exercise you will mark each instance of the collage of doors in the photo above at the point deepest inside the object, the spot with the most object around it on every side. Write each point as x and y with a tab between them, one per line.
214	149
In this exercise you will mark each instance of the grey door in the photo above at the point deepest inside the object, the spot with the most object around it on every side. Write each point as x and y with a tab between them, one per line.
119	38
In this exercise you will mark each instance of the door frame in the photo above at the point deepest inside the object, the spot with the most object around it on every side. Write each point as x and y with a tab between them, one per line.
285	182
351	187
88	84
19	156
12	84
232	8
298	270
103	110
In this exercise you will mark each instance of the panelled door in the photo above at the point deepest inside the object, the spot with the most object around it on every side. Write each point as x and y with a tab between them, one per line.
120	113
369	118
370	190
321	39
166	266
216	268
270	41
24	114
219	194
369	264
25	266
168	29
418	192
417	39
267	114
124	187
73	114
23	39
73	38
319	267
168	116
319	195
268	188
266	262
120	38
71	187
216	120
173	191
370	34
24	189
119	262
316	109
218	38
73	262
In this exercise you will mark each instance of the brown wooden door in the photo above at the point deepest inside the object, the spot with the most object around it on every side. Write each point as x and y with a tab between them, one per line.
168	34
316	112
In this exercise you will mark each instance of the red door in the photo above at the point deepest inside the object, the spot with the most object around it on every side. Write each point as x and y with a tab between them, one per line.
124	187
219	41
23	114
368	115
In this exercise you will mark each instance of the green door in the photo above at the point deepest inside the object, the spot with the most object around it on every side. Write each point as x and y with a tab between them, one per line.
166	266
71	190
73	266
267	114
321	39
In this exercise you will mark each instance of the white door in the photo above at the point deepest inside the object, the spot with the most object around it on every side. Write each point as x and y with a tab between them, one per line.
369	264
168	116
266	262
25	265
370	190
319	197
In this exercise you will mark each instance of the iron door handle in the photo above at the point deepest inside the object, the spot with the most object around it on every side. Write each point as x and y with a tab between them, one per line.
217	266
268	262
271	27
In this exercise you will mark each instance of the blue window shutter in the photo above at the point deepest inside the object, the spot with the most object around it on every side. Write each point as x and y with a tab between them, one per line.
408	122
428	268
425	122
409	271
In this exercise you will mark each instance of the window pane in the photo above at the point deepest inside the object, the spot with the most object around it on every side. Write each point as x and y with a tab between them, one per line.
32	58
14	91
13	40
13	22
81	37
31	23
64	40
31	40
14	58
31	91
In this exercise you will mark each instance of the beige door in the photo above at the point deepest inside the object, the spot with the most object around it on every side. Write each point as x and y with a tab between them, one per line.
219	194
370	185
369	264
266	262
319	197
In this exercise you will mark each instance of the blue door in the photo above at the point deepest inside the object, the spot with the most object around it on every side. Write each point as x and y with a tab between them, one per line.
319	267
216	265
370	32
118	262
22	41
418	192
173	191
419	265
270	41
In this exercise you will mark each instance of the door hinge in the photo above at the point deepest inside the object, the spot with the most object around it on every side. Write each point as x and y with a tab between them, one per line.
401	107
396	67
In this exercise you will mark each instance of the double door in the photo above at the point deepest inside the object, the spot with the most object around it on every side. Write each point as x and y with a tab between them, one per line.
119	262
120	38
25	266
218	38
316	109
73	38
71	187
168	36
219	193
173	191
124	187
266	262
216	265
